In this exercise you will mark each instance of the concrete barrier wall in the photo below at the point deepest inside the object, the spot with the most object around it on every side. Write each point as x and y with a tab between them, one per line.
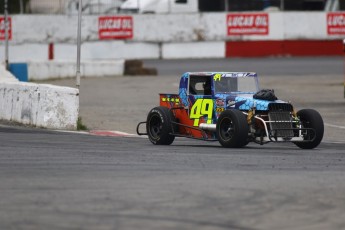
6	76
161	36
99	51
33	29
193	50
301	25
41	70
36	38
39	105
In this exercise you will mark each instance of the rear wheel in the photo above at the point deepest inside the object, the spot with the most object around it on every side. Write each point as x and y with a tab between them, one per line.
159	126
232	129
311	119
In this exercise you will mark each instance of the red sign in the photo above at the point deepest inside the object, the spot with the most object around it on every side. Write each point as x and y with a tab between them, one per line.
2	28
248	24
336	23
115	27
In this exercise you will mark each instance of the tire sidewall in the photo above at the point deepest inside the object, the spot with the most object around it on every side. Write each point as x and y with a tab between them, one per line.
165	117
311	119
240	129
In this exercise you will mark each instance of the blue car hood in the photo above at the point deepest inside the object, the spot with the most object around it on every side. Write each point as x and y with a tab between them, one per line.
244	101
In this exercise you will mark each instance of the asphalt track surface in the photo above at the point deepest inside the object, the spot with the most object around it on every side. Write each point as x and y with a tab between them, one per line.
59	180
54	180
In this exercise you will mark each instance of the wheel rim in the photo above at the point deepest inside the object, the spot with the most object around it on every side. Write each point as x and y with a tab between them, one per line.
309	135
226	130
155	126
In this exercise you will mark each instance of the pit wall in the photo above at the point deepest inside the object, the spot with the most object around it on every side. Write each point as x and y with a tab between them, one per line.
199	35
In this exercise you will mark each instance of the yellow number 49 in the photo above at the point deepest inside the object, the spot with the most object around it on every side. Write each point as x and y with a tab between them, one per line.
202	107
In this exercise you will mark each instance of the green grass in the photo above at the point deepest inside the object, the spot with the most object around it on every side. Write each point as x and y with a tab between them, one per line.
80	125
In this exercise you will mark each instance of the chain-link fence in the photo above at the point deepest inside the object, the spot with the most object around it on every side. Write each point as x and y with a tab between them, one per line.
61	6
14	6
113	6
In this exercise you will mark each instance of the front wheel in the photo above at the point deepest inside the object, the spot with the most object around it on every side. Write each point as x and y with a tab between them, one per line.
159	126
311	119
232	129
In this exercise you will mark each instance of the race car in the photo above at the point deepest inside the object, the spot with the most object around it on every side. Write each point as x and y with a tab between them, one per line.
229	107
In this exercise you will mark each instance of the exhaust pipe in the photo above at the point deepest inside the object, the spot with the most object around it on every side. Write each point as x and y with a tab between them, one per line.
208	127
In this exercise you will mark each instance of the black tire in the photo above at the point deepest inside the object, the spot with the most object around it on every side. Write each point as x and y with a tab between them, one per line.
159	126
311	119
232	129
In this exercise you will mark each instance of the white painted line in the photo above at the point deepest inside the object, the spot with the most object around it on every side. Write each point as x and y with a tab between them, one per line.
333	142
70	131
109	133
334	126
101	133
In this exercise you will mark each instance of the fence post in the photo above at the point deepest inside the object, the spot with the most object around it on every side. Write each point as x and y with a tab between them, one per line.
344	64
79	43
281	5
21	6
6	34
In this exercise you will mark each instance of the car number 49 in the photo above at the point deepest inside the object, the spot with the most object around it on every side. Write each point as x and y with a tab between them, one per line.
201	108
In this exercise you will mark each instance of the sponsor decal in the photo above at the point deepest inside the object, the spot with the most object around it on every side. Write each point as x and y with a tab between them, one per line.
220	102
2	28
171	99
168	99
217	77
219	110
115	27
336	23
248	24
159	113
231	103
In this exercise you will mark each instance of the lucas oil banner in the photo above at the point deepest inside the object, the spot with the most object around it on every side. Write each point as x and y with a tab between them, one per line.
248	24
2	28
115	27
336	23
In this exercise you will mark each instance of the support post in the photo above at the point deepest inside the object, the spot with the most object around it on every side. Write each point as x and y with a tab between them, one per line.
344	64
226	5
79	44
281	5
6	34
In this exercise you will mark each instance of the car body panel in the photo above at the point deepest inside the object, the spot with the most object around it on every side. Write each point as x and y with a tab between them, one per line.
198	109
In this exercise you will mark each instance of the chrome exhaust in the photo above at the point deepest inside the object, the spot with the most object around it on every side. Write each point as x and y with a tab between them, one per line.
208	127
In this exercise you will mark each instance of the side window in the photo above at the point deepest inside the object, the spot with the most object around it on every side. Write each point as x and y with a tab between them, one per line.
200	85
207	87
192	84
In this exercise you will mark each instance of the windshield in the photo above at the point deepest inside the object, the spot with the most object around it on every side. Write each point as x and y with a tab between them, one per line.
236	85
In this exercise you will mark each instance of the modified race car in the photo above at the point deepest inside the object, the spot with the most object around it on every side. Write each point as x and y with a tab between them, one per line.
229	107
